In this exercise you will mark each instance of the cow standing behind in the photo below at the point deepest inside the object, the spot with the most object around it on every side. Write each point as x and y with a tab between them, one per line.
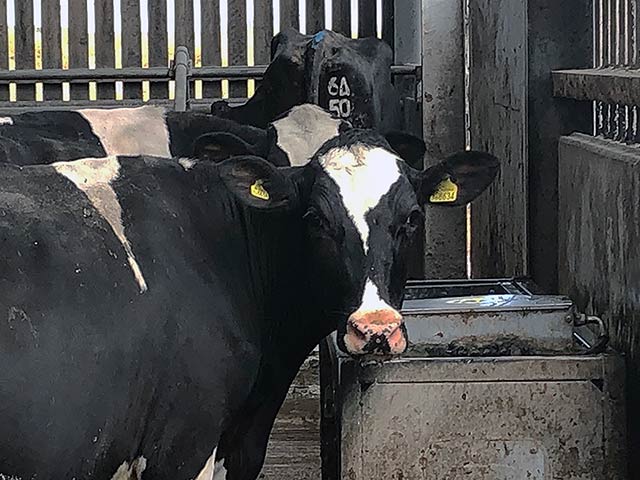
147	300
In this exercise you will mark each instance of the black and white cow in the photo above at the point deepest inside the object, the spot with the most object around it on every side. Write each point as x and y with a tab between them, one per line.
34	138
294	137
152	305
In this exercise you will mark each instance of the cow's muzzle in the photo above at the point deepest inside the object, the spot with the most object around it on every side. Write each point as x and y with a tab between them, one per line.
378	331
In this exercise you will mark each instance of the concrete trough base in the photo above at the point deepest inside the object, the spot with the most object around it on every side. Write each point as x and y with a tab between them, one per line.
507	418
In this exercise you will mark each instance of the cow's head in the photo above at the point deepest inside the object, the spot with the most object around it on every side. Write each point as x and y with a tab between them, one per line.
361	205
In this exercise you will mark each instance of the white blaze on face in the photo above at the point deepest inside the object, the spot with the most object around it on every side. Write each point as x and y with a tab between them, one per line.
6	121
94	177
363	175
208	471
303	131
130	131
371	300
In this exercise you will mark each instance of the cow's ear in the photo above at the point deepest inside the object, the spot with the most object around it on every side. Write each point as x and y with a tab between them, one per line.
410	148
458	180
219	146
258	184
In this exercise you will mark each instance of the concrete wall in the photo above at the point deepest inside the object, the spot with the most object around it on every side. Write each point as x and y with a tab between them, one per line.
599	247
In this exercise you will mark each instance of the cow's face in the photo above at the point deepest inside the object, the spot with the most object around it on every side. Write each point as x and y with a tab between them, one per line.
362	205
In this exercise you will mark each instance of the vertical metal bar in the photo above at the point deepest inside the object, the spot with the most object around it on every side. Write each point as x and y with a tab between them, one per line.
158	44
24	45
608	48
51	45
181	76
131	44
105	45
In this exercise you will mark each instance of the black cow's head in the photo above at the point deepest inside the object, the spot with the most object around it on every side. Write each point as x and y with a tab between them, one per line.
361	205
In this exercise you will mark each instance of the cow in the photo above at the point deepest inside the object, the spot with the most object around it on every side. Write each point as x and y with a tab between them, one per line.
151	305
293	138
33	138
349	77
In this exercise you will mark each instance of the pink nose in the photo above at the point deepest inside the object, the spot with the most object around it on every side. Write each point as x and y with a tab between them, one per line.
375	331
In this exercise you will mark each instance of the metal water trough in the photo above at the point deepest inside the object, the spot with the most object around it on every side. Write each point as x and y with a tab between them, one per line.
498	384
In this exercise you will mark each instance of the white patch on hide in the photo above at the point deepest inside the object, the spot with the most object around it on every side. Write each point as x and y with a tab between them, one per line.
208	471
363	175
131	471
187	163
130	131
94	177
219	472
303	131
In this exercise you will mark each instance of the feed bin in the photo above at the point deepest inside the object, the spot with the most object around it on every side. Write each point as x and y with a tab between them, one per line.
498	384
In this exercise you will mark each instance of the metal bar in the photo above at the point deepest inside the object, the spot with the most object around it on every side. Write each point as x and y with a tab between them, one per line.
257	71
181	68
7	108
83	75
611	85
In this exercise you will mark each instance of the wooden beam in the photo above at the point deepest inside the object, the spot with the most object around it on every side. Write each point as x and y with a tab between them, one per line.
611	85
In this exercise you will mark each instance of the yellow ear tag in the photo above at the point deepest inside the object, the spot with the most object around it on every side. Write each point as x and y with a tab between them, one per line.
446	192
258	191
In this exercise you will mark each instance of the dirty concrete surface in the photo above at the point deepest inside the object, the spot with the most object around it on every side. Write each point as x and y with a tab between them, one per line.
294	447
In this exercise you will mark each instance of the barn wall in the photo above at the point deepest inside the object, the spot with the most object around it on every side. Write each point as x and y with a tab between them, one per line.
514	45
599	246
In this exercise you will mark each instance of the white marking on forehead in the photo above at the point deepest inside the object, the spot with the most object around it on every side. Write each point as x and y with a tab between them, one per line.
94	177
363	176
131	471
371	300
187	163
303	131
6	121
130	131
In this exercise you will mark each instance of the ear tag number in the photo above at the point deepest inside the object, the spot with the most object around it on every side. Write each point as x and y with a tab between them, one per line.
446	192
258	191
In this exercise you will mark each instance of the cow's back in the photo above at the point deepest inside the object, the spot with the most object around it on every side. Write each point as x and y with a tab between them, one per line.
92	365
